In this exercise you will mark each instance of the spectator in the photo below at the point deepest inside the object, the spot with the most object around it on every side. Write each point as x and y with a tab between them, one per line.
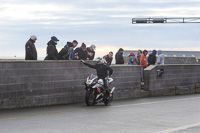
161	58
108	58
119	57
91	52
138	56
143	63
31	53
81	52
72	52
64	53
132	59
52	53
152	58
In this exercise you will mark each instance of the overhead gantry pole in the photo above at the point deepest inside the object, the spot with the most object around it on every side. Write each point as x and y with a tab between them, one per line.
165	20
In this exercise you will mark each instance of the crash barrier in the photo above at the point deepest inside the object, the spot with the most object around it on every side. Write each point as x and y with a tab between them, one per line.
173	60
40	83
172	79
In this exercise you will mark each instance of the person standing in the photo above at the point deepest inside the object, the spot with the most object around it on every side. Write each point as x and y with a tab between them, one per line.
72	52
132	59
161	58
81	52
119	57
108	58
31	52
52	53
91	52
152	58
138	56
143	63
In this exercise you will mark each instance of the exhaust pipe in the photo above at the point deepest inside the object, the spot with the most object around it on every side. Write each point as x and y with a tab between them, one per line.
112	90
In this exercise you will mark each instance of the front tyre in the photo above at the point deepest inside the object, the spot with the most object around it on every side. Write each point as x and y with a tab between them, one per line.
109	100
89	98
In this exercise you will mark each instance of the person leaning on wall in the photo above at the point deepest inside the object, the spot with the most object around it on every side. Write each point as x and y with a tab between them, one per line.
31	52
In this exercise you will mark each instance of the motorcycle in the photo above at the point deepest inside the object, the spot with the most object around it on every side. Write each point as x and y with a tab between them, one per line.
96	92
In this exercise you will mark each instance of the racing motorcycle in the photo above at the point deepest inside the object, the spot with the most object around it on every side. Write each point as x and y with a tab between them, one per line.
96	92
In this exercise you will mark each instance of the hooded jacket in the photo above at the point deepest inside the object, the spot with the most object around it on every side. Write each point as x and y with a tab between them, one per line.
65	52
161	58
131	61
52	53
152	58
31	53
119	58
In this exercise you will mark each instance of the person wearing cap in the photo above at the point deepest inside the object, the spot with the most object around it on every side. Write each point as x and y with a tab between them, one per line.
65	52
152	58
108	58
52	53
91	52
119	57
31	52
132	59
81	52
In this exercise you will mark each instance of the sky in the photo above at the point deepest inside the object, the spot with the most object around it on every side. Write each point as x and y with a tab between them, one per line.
105	23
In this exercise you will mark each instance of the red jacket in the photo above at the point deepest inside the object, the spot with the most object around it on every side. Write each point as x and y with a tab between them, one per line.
143	60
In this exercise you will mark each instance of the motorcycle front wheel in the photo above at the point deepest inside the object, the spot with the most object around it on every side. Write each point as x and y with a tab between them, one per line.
89	98
109	100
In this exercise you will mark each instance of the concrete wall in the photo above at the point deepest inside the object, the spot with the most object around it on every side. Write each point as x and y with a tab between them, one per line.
176	79
39	83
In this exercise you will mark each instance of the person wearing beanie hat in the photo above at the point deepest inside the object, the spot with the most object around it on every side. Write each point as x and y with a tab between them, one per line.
65	52
132	59
52	52
119	57
91	52
31	52
152	58
81	52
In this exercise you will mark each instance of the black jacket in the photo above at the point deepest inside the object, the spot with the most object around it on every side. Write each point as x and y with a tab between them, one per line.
101	70
64	52
108	60
92	53
81	54
119	58
151	59
31	53
52	53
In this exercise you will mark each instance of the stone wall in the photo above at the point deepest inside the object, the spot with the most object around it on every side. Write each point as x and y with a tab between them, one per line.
39	83
176	79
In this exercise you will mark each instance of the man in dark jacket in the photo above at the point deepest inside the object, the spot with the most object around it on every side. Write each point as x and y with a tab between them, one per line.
102	70
65	52
81	53
152	58
108	58
91	52
119	57
31	53
52	53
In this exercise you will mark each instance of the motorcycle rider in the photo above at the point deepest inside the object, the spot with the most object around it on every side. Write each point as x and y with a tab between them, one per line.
102	70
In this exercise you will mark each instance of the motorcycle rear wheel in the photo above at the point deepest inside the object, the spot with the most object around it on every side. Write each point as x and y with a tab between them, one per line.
89	98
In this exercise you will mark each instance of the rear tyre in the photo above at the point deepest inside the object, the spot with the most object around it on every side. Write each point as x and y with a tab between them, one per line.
89	98
109	100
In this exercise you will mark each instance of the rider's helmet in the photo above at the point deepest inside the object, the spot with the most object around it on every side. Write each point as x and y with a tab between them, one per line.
100	60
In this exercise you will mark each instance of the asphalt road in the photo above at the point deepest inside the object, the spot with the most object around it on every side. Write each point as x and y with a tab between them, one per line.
171	114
